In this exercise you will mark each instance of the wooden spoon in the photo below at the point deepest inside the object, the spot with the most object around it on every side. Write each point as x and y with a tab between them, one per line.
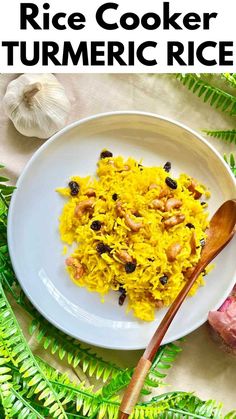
221	231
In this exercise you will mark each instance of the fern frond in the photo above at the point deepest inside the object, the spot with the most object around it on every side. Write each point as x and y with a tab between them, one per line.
163	361
7	277
231	415
2	413
215	96
116	384
71	350
20	408
15	344
193	407
14	404
121	381
75	397
82	398
5	190
227	135
230	78
231	161
175	405
178	405
5	379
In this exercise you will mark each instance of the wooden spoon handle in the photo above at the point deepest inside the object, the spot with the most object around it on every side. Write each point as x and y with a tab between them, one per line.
134	388
132	392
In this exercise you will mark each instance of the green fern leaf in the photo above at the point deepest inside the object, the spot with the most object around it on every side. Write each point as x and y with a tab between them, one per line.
73	394
9	329
184	405
170	405
102	411
116	384
12	401
215	96
227	135
231	415
66	347
230	78
231	161
164	359
22	408
76	354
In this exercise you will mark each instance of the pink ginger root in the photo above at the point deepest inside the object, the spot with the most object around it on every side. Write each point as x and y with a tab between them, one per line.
223	321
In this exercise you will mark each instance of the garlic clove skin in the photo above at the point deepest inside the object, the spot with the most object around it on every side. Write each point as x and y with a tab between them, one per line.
37	105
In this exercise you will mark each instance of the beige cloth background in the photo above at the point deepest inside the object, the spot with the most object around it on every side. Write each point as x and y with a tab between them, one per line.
201	367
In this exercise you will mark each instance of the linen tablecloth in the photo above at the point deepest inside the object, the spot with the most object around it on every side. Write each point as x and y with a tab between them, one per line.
201	367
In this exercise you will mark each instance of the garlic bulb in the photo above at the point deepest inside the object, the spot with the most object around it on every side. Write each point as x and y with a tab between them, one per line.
36	104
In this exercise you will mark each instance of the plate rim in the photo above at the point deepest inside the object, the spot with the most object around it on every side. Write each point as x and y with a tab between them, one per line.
46	144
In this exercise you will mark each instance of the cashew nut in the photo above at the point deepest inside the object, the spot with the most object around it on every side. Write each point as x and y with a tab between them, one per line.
173	251
83	206
71	261
159	304
79	268
133	225
124	256
152	186
163	193
174	220
172	203
193	188
157	204
79	272
119	209
90	192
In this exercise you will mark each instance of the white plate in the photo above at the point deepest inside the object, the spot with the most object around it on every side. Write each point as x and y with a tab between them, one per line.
34	242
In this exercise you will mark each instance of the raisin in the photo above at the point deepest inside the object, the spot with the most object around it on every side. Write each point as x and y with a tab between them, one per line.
96	225
115	196
167	166
171	183
163	279
74	188
190	225
103	248
104	154
130	267
122	298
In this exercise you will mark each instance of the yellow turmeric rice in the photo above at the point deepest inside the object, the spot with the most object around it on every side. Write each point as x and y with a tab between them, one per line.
137	230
